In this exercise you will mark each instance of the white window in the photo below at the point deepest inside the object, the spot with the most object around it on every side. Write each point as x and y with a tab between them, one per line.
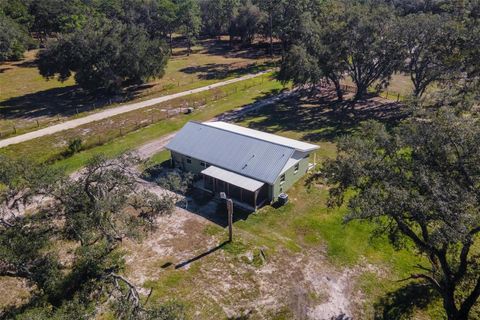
282	179
297	166
189	160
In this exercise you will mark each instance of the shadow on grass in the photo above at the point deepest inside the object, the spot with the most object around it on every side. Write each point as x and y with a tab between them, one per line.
401	304
200	256
206	205
66	101
235	49
321	117
220	71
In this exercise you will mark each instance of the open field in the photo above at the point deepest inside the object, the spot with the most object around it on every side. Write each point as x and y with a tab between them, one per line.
29	102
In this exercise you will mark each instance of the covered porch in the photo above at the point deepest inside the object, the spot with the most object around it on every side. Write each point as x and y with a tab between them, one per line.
241	189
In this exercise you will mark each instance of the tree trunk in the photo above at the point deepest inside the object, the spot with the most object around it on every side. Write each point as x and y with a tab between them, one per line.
171	43
361	92
270	26
338	89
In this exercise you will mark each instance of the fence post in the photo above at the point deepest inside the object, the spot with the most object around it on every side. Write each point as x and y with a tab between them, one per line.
14	129
398	97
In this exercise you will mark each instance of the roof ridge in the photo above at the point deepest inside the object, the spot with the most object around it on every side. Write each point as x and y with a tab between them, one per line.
245	135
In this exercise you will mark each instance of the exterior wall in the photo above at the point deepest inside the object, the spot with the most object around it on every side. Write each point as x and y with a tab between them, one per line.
196	167
290	178
181	161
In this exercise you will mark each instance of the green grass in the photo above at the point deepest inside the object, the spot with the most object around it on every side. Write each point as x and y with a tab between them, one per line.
157	159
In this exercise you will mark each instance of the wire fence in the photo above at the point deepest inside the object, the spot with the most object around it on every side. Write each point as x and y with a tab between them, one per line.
11	127
106	130
386	94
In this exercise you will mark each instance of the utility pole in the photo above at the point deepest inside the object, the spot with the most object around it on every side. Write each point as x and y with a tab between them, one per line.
230	215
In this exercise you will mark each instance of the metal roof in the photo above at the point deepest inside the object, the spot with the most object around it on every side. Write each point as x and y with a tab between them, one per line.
233	178
287	142
258	159
294	159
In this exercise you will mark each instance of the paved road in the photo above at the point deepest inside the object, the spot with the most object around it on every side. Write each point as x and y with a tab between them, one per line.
116	111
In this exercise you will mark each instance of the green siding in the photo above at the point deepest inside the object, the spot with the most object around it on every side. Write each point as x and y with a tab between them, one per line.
290	178
181	161
196	167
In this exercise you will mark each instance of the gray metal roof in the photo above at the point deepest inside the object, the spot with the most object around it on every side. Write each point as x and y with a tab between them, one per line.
287	142
233	178
258	159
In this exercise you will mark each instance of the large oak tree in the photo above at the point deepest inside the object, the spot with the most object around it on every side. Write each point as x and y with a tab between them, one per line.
420	184
105	55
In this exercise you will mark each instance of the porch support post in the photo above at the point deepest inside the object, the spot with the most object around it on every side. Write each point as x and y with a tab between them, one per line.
255	200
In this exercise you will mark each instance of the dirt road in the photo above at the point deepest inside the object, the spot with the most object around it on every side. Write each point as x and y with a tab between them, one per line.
116	111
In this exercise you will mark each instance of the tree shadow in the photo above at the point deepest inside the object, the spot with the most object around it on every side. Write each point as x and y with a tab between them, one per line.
219	71
63	102
322	117
401	303
235	49
341	316
3	69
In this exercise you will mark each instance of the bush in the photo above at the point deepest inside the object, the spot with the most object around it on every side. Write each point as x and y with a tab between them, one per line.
74	146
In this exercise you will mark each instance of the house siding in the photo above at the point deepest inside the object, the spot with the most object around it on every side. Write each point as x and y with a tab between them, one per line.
290	179
180	161
196	167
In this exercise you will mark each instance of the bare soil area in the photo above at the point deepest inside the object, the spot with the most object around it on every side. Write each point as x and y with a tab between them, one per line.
233	280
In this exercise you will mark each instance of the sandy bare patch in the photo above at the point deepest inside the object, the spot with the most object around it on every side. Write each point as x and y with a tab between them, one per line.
13	292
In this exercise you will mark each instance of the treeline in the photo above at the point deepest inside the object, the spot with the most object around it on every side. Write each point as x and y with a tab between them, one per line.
107	44
434	42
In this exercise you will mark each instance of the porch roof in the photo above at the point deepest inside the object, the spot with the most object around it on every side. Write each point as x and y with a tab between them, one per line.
233	178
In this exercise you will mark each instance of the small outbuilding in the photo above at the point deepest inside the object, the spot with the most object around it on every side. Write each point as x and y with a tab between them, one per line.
252	167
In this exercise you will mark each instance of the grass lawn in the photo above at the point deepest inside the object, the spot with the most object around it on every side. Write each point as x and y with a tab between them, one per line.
29	102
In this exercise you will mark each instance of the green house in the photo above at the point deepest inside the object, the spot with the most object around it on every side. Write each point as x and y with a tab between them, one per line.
252	167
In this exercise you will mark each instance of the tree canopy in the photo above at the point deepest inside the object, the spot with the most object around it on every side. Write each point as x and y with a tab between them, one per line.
420	184
14	39
105	54
90	214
